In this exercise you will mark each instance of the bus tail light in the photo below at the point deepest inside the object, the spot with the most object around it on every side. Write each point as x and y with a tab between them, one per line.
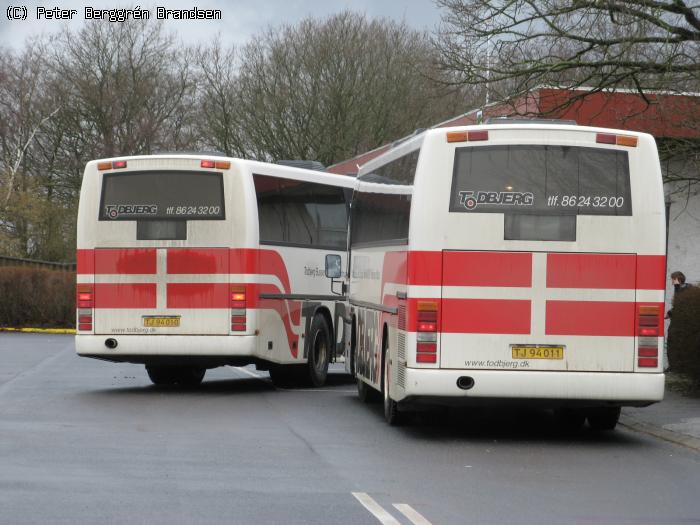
648	329
85	301
619	140
238	309
426	328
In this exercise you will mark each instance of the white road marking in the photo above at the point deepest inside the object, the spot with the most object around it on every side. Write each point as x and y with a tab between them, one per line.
412	514
375	508
258	376
247	372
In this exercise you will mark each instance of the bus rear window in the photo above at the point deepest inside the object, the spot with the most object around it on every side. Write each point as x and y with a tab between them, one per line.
541	180
160	195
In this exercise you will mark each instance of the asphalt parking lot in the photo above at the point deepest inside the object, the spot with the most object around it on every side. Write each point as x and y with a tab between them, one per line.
83	441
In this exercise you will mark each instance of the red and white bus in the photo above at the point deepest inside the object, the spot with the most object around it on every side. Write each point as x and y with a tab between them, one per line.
510	262
188	262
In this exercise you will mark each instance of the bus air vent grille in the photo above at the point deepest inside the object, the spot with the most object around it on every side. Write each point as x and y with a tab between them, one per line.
401	353
401	374
402	317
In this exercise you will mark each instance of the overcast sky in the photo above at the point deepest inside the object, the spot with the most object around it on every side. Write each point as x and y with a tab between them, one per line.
240	18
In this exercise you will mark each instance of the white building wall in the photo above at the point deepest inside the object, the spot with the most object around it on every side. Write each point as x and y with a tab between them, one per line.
683	208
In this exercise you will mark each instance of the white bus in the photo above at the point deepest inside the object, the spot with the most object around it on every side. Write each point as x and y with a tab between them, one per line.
188	262
510	262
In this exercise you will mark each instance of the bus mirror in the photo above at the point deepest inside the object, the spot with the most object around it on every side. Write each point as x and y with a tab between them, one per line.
333	266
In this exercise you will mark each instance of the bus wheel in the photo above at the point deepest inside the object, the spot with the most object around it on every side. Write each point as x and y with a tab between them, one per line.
604	418
319	351
190	375
391	407
283	376
570	420
175	375
161	375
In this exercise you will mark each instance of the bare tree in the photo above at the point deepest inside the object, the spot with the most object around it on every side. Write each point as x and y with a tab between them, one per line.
638	44
328	89
507	47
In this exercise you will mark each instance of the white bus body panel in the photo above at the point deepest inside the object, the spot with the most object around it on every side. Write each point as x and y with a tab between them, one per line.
596	366
192	278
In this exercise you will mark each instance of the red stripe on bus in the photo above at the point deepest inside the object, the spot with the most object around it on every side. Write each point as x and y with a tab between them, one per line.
501	269
198	295
651	272
133	295
591	270
264	262
198	261
394	268
288	310
424	268
485	316
85	261
125	261
600	318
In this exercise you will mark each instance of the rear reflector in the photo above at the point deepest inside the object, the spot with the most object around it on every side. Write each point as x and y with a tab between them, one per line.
426	358
84	327
428	348
648	352
648	362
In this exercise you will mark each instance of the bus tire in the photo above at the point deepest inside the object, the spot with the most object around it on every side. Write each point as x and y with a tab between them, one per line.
175	375
391	407
161	375
603	418
283	376
570	420
319	351
190	375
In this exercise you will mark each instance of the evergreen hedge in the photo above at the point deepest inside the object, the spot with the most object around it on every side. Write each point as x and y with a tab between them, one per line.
36	297
684	334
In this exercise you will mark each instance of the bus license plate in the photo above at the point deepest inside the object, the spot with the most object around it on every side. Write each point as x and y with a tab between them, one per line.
162	322
538	352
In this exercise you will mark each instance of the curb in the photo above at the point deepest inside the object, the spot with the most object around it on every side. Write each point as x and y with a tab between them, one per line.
39	330
660	432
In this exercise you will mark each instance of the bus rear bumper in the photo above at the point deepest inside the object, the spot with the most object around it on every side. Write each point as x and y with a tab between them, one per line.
174	348
426	386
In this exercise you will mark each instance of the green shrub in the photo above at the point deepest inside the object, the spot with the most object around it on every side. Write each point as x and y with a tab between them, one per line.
36	297
684	334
